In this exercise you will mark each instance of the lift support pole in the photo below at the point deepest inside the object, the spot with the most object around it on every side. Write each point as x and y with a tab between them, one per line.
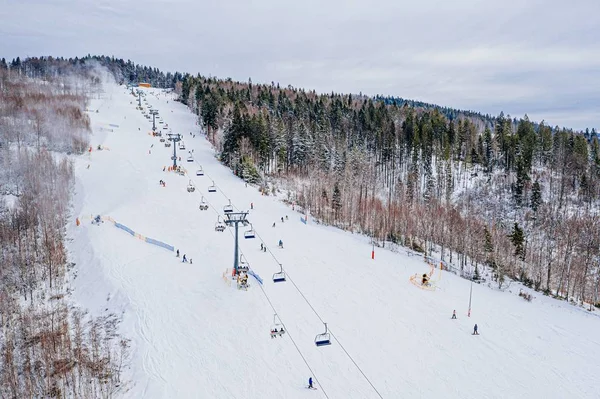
235	219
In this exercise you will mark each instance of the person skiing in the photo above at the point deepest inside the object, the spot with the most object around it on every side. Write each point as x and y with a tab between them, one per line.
310	384
282	219
475	330
184	259
261	246
178	253
190	261
280	244
252	205
273	224
454	314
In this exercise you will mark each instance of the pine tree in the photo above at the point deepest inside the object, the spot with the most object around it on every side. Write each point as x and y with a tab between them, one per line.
517	237
519	186
487	147
536	196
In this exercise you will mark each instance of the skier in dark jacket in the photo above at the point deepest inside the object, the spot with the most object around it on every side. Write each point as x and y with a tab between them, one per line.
475	330
310	385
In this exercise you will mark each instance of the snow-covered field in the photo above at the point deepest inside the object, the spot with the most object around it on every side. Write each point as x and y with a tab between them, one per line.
195	335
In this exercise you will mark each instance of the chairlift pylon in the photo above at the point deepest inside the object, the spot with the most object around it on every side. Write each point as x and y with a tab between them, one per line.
279	277
323	339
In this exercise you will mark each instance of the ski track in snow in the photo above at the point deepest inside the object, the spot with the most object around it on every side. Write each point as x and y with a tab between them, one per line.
195	336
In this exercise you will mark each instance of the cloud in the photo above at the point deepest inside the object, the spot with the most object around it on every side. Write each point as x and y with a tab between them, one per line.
536	57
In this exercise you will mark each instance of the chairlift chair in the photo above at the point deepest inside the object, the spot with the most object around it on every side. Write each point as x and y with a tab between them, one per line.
228	208
279	277
323	339
200	172
181	146
277	327
243	264
203	204
162	140
212	188
190	187
249	233
219	226
190	159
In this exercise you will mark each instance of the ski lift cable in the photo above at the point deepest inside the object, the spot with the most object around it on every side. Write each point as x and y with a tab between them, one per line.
214	208
306	300
294	342
333	335
320	318
286	329
213	181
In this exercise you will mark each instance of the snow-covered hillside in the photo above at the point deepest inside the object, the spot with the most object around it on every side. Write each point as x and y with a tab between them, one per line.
195	335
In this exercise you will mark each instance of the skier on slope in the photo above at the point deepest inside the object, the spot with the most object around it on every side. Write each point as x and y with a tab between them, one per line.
475	330
454	314
280	244
310	383
184	259
178	253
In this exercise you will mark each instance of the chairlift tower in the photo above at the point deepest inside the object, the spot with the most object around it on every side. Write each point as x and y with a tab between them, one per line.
175	138
153	113
235	218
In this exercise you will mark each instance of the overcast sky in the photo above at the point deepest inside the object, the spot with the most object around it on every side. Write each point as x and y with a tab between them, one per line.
518	56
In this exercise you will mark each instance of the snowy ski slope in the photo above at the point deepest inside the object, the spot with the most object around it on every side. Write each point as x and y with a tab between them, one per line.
195	335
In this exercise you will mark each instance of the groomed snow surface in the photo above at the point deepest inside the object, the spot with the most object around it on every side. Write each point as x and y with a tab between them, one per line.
195	335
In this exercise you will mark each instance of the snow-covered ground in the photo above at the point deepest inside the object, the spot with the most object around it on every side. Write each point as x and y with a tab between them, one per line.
195	335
